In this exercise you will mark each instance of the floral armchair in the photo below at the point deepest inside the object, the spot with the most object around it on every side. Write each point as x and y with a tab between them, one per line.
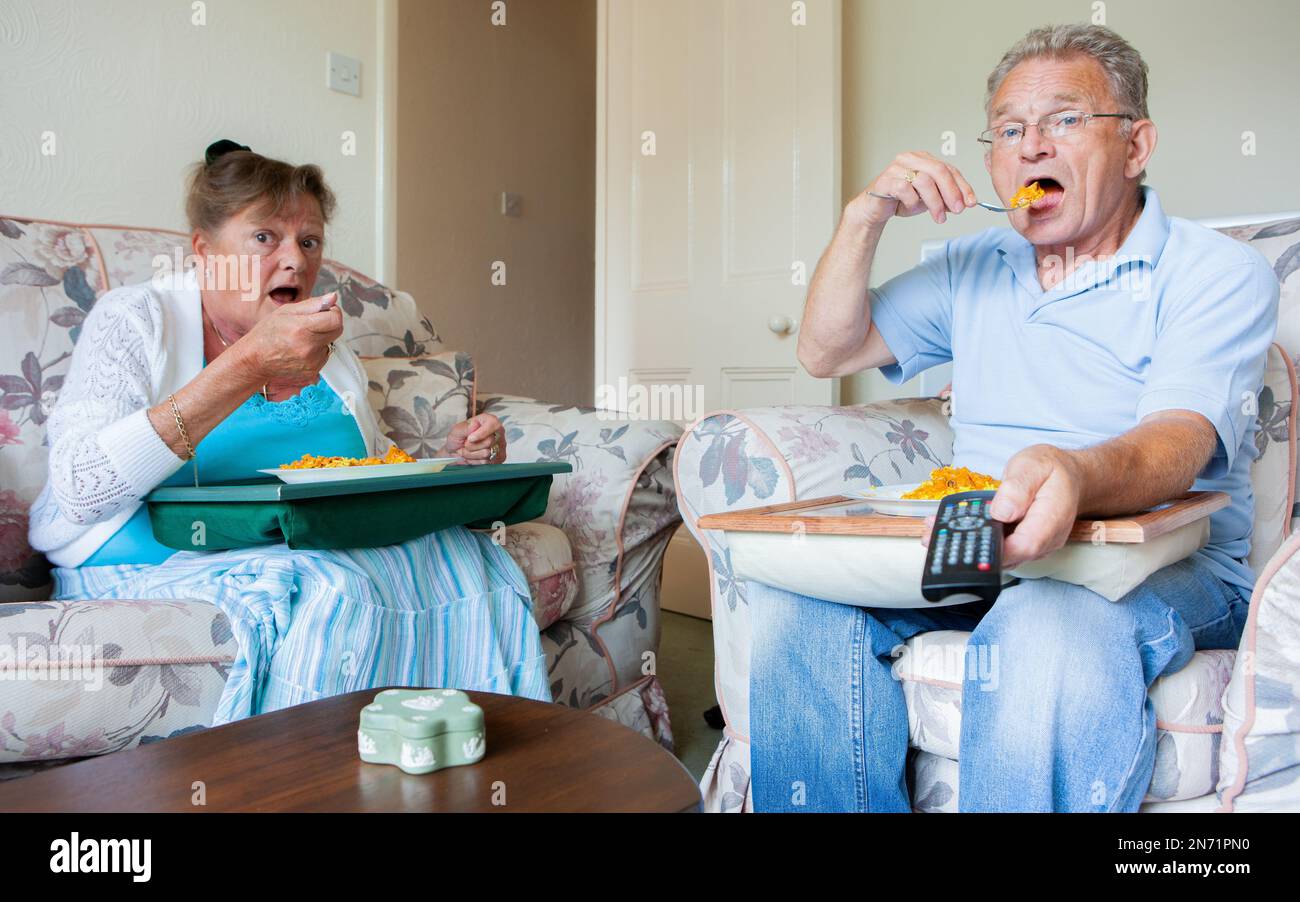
1228	723
593	561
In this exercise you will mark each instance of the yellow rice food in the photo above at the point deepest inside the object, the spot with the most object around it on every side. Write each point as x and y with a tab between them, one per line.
1027	195
947	480
395	455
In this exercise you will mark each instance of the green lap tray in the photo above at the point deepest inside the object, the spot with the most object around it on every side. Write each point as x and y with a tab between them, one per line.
351	513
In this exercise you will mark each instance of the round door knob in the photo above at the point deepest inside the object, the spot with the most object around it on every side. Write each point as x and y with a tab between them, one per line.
781	325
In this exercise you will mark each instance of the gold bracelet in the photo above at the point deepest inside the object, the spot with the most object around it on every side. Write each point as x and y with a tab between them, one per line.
180	427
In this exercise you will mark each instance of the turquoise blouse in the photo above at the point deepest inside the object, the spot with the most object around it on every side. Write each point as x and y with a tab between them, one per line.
259	434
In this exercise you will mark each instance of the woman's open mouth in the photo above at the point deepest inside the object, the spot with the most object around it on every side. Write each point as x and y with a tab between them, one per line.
285	294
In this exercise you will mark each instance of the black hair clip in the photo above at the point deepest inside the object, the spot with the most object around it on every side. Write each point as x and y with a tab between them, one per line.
221	148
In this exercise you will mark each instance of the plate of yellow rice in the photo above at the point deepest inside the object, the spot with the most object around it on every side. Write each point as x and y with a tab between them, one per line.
396	462
921	499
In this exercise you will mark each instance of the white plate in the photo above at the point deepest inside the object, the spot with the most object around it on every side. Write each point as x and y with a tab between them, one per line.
375	471
885	499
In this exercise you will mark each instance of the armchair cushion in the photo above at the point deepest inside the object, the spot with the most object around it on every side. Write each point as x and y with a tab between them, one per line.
419	399
543	554
1188	706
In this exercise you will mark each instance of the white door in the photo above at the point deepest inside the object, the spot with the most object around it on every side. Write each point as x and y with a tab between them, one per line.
718	188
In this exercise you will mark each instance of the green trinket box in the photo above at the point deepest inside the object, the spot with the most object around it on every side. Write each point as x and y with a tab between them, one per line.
421	730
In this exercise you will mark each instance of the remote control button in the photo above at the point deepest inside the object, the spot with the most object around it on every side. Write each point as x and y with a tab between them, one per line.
984	565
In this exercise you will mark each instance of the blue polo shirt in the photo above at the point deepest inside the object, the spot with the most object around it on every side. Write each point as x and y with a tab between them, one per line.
1180	318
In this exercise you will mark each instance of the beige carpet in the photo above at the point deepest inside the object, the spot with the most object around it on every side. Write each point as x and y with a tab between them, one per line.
686	672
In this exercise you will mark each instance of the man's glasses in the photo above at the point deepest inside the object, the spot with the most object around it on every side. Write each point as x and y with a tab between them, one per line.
1058	125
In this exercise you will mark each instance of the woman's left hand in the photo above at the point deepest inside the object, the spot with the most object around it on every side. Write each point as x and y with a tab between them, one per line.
479	440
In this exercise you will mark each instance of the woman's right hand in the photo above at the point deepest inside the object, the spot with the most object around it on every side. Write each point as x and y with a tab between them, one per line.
292	343
937	187
287	347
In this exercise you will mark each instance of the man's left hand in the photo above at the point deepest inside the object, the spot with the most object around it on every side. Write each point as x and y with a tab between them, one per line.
1040	493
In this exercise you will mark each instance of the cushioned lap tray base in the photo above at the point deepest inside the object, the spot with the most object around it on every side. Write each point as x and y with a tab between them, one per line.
354	513
885	571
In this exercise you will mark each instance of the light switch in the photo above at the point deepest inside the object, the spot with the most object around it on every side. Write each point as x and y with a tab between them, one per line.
511	204
343	74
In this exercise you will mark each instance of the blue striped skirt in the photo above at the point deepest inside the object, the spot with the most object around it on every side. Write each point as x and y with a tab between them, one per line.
446	610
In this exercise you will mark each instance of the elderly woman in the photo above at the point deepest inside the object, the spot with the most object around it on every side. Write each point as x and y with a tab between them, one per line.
166	378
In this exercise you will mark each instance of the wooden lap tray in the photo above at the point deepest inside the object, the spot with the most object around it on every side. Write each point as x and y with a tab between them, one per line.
842	515
352	513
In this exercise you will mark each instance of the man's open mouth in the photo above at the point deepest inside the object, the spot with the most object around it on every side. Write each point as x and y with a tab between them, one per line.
285	294
1052	199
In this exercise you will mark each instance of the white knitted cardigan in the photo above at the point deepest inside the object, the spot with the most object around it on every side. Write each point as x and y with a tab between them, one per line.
139	344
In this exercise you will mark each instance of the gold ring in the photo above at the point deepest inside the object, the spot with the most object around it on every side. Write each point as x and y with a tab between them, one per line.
910	176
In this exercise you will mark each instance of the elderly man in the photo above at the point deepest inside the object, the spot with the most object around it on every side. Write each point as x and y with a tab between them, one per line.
1103	356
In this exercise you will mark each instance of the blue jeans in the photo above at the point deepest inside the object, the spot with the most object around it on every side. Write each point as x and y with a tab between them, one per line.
1064	724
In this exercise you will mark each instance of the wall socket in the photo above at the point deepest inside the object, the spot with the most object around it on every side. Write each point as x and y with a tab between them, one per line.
343	74
511	204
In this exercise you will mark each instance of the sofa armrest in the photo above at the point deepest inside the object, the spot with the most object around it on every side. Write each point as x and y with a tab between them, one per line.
130	672
1259	751
617	504
736	459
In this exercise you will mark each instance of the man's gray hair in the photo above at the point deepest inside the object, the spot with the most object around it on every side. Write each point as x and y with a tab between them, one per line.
1126	72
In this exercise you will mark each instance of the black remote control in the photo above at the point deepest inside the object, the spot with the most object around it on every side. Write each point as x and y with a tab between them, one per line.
965	553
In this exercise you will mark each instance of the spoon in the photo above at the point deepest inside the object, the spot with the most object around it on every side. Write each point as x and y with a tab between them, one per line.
978	203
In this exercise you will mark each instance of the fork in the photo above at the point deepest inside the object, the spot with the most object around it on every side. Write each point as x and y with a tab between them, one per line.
978	203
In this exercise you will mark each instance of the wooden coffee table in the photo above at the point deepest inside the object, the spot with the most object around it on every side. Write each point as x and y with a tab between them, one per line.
540	757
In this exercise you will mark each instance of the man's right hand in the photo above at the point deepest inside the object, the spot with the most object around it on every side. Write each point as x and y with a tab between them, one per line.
936	186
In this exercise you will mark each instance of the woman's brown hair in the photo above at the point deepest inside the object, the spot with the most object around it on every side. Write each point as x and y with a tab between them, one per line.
220	189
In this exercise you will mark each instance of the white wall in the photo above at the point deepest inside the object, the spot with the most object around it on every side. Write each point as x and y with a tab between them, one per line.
486	109
917	69
134	91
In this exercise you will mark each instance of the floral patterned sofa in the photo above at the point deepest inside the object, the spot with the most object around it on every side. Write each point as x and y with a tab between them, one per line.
1228	723
593	561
